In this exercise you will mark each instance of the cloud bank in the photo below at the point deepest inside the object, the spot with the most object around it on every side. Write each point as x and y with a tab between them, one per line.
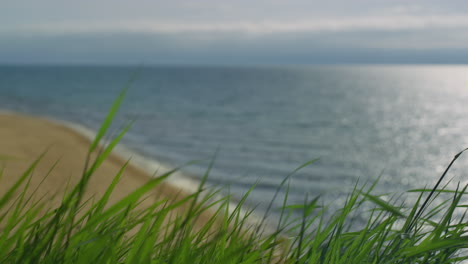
223	32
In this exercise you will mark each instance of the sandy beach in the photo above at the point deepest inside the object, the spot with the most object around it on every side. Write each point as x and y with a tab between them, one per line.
24	138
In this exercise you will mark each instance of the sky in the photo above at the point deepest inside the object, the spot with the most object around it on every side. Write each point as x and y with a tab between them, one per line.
233	31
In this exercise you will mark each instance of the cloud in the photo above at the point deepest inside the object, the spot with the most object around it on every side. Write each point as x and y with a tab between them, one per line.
340	24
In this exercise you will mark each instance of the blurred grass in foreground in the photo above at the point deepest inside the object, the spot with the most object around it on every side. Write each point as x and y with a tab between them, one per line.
80	231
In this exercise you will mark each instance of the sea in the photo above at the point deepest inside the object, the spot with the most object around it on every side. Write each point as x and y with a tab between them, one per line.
400	124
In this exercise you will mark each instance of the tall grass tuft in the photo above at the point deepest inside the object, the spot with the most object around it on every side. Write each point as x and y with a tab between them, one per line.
79	231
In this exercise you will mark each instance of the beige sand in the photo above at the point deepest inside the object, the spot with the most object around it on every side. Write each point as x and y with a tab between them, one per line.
24	138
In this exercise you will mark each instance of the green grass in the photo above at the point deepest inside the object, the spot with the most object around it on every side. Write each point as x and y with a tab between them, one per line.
81	231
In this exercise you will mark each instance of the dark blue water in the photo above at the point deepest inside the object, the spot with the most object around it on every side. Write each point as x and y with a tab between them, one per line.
404	123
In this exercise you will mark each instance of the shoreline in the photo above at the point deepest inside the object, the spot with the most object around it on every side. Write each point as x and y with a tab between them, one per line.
121	152
178	181
150	166
63	147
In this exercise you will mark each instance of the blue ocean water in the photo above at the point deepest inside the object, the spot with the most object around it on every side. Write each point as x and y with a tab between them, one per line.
402	123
